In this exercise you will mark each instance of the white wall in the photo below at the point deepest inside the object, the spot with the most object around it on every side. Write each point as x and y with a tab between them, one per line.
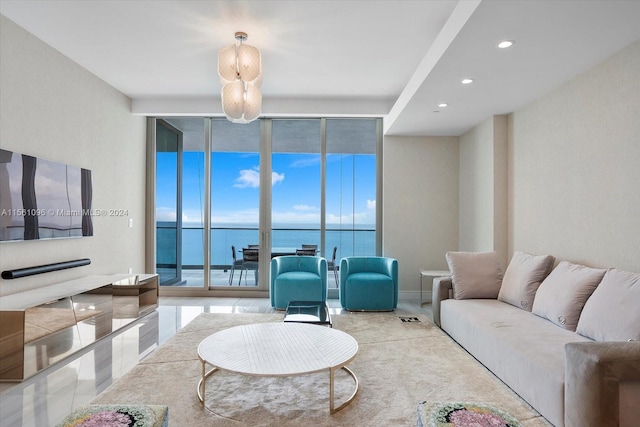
52	108
420	211
476	188
574	169
483	188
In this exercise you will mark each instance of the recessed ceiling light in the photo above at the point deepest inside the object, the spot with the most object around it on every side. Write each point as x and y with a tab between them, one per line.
443	105
467	81
505	44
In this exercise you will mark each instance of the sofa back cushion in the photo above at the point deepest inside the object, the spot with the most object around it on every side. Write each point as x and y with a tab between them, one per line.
562	295
523	277
612	313
474	274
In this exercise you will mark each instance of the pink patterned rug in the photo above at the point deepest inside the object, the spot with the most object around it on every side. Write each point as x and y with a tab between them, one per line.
458	414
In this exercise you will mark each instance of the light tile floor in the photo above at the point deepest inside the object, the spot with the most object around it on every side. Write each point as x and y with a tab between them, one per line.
46	398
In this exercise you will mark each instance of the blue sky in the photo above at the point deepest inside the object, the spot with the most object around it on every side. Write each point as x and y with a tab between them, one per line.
295	188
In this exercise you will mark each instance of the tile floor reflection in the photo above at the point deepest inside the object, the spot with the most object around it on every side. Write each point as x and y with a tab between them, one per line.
48	397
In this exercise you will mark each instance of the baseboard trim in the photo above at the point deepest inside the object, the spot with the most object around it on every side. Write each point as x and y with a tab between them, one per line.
414	296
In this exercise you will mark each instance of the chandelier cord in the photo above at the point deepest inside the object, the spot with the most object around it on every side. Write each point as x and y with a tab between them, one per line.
238	62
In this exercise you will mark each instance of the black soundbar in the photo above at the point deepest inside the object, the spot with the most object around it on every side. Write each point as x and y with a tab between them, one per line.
39	269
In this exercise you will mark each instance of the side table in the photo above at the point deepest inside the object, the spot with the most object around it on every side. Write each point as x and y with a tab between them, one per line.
433	274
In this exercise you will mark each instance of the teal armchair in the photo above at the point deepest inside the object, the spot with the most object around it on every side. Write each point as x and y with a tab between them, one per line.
298	278
369	283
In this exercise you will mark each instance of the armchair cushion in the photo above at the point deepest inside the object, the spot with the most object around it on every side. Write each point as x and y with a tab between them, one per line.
298	278
369	283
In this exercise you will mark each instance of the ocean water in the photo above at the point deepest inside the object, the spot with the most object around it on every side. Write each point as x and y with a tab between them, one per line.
349	242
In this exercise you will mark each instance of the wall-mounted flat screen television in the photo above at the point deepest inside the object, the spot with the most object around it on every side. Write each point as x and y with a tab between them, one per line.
41	199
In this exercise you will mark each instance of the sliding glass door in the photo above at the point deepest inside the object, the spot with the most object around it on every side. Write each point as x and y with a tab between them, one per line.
180	201
235	191
351	186
168	203
295	185
351	170
229	197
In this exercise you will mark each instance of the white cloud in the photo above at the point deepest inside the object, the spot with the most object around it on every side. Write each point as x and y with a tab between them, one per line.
165	214
371	204
250	178
295	217
306	162
357	218
304	208
247	216
276	177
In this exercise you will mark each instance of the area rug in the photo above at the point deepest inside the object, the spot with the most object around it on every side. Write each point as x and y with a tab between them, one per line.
399	364
463	414
117	416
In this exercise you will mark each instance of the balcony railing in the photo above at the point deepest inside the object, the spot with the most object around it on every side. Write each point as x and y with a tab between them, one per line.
351	241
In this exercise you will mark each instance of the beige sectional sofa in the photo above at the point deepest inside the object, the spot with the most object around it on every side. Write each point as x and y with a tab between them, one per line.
566	339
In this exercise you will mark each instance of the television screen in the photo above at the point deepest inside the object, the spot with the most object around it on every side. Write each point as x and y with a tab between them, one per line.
41	199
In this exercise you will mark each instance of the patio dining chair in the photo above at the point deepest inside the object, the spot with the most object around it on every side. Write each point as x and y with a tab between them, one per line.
249	262
307	250
234	263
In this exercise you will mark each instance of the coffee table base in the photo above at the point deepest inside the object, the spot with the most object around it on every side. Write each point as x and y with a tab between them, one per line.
332	409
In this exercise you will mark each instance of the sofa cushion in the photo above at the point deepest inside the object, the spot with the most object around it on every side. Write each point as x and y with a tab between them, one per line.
474	274
562	295
523	277
612	313
523	350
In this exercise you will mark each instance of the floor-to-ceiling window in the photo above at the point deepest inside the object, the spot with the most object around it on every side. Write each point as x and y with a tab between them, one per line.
350	184
180	201
235	191
322	177
296	184
168	160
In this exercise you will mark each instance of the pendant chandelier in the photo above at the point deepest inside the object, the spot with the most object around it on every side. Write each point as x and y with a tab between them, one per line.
240	70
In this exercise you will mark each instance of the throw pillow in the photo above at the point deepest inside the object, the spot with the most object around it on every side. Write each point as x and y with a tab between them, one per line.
474	274
523	277
562	295
612	313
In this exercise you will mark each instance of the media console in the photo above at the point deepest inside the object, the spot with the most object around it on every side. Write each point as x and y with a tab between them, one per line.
42	326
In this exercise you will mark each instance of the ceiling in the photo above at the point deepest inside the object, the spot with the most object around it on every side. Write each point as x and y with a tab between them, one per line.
397	59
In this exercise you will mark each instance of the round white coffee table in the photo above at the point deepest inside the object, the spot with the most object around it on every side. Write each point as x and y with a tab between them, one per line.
279	350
